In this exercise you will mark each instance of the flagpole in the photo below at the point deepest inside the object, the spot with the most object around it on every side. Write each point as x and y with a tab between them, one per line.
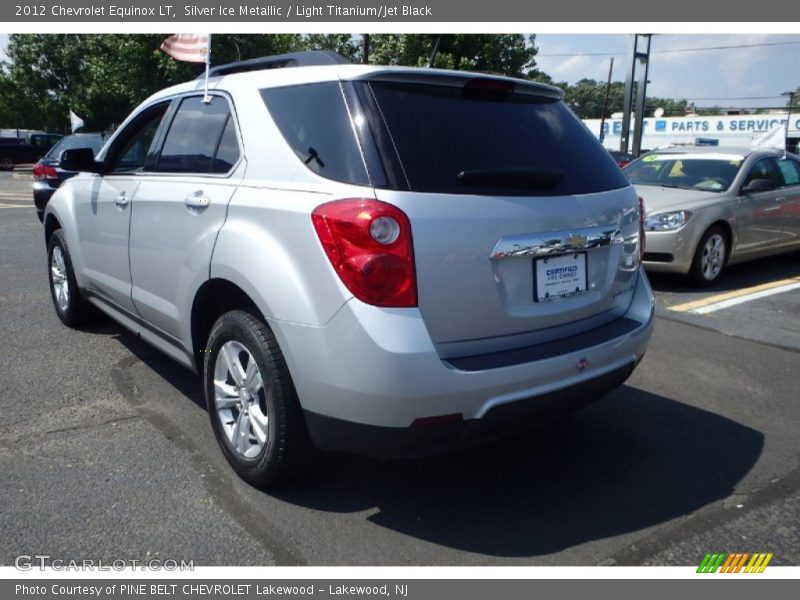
206	97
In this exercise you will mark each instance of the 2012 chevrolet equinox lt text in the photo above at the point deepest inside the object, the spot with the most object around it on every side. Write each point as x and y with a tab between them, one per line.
382	260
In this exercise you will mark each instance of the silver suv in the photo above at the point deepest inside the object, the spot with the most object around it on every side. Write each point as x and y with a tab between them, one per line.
382	260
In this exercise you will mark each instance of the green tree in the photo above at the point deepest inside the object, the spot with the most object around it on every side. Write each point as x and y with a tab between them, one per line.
586	97
341	43
103	77
507	54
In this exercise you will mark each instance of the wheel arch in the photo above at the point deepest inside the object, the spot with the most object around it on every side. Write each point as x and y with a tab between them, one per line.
214	298
51	224
729	235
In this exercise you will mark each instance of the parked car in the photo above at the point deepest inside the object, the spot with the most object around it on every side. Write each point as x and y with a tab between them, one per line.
621	158
48	173
25	150
383	260
710	207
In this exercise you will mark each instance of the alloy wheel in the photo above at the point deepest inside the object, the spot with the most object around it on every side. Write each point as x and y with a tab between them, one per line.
240	399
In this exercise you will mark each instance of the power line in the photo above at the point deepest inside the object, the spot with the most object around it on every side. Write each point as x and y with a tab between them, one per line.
732	98
674	50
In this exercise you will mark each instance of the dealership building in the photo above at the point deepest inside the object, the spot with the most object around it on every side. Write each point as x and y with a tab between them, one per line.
712	130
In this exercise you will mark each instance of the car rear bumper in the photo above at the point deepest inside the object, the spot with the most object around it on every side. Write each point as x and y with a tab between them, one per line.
41	194
330	433
370	376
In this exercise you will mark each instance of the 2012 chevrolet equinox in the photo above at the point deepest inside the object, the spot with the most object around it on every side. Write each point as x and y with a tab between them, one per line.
383	260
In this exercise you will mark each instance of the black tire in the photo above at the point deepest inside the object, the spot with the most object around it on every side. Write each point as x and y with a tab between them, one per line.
707	270
75	311
6	164
287	451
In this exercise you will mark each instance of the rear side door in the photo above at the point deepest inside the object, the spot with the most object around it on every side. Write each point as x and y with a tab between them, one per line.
180	206
104	204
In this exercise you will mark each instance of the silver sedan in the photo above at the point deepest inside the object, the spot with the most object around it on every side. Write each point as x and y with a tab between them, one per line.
709	207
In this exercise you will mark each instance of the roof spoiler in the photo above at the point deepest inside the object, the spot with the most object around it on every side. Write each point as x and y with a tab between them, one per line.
461	79
307	58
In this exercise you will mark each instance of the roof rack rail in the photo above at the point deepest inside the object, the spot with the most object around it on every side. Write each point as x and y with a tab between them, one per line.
306	58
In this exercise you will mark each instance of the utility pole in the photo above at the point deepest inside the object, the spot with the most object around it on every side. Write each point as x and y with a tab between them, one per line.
605	102
643	58
365	49
788	120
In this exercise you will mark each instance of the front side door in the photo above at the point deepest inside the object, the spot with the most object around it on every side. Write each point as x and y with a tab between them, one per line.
180	207
761	222
790	199
104	205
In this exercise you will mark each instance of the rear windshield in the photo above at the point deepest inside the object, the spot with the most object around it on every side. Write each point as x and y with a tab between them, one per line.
439	134
95	142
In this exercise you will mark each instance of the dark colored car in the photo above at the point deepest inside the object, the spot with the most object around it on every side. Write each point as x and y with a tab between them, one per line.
621	158
48	174
25	150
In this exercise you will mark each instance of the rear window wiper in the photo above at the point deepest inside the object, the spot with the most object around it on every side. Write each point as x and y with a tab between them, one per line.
541	178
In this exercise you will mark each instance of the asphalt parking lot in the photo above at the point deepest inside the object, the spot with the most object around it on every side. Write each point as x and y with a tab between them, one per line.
106	451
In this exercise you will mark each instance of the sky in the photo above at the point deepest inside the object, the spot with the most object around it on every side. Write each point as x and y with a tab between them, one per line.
709	78
752	76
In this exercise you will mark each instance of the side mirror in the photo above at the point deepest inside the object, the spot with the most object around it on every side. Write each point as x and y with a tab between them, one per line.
756	186
79	159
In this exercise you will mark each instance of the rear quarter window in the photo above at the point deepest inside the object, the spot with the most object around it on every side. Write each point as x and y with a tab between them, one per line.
315	122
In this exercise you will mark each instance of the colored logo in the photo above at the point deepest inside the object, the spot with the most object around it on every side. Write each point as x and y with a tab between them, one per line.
737	562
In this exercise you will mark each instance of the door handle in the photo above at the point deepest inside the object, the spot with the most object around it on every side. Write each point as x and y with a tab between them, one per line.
122	200
198	201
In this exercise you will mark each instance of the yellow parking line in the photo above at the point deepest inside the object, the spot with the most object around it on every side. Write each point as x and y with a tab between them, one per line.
15	205
689	306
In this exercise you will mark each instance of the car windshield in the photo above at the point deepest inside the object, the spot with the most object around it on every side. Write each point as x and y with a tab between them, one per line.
707	172
95	142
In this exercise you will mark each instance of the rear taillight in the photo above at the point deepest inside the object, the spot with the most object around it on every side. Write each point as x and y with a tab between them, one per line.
641	229
369	245
41	172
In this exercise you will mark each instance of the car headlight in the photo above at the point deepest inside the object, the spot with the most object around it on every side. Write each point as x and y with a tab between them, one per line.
667	221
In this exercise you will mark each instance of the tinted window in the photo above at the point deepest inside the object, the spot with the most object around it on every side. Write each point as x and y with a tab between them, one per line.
133	144
228	150
790	170
194	136
314	121
442	131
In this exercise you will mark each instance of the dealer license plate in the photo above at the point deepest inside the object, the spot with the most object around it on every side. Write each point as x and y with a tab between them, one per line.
559	277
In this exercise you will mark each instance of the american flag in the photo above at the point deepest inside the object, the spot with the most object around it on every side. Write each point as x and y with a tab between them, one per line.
187	47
